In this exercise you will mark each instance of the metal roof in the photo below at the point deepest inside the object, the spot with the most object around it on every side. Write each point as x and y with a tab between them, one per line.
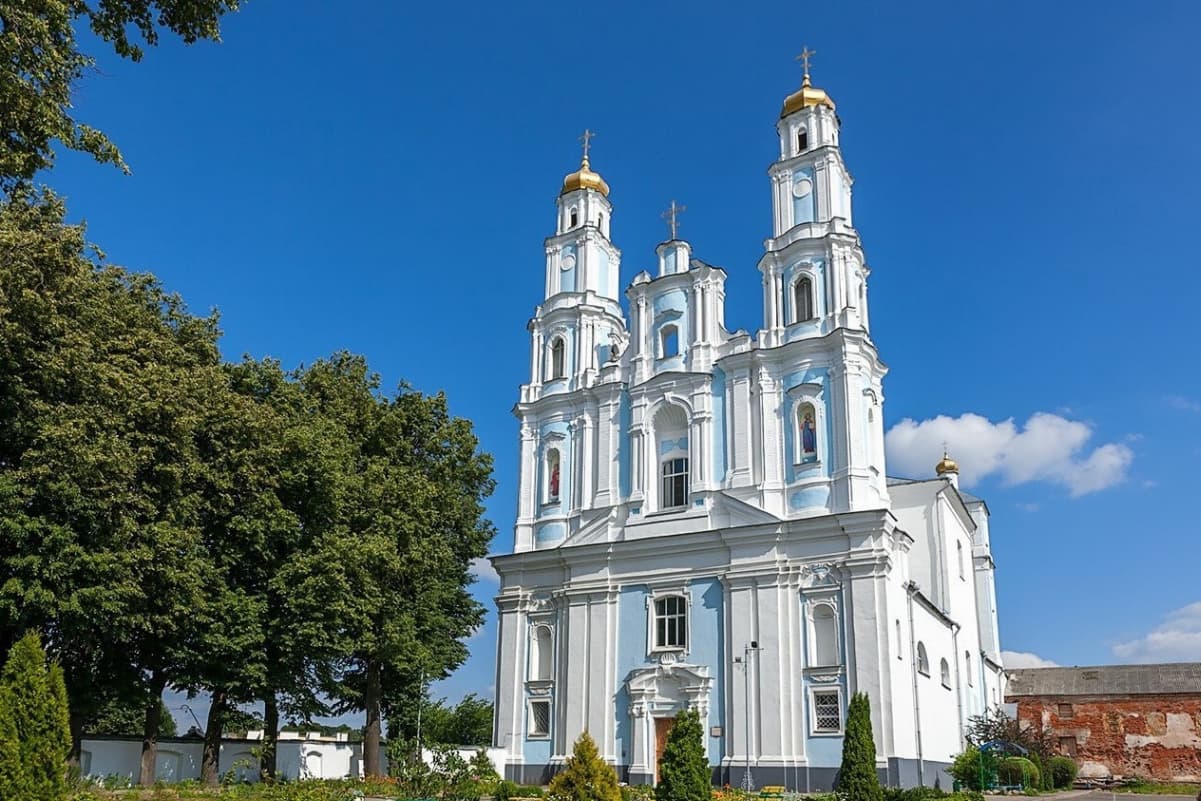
1167	679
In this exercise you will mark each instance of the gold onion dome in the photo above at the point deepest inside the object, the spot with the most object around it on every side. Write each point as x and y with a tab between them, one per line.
805	97
947	465
585	178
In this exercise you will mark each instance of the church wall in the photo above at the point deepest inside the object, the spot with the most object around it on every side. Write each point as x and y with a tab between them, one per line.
938	704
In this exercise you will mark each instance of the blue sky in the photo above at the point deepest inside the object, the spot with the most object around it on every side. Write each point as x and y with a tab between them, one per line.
380	176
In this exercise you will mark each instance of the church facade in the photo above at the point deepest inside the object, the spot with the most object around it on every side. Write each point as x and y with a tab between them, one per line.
704	516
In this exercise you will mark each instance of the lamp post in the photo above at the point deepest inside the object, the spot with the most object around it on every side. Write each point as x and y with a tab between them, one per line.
748	784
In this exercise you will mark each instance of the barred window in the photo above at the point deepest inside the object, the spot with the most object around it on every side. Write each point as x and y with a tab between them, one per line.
539	718
671	622
675	482
827	712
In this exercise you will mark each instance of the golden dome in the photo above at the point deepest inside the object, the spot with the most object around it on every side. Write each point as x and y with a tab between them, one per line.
804	97
947	465
585	178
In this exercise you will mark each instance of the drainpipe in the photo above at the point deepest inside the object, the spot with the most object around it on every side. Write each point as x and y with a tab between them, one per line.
910	589
958	680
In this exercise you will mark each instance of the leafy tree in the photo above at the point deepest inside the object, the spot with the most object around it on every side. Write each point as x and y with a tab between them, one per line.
124	719
684	773
41	63
468	722
391	575
34	698
857	777
994	726
585	777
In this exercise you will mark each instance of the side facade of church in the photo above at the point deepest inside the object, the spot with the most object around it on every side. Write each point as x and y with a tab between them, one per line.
704	519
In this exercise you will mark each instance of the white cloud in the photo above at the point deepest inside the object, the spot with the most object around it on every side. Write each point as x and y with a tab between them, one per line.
1029	507
1181	403
1047	448
1024	659
483	570
1176	639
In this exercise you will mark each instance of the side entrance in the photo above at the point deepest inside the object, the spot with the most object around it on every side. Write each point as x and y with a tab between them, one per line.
662	727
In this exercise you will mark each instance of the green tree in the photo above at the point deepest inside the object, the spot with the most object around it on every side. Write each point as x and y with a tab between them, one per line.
35	703
684	773
391	575
585	777
857	777
124	718
41	63
468	722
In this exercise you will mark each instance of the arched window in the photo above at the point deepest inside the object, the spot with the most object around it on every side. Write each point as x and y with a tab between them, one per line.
671	451
959	554
967	666
825	635
600	221
806	439
671	622
558	358
923	664
802	141
944	673
899	640
575	218
542	658
552	476
669	341
802	300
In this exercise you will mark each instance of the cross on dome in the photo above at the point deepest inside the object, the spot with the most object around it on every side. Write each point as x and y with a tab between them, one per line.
672	216
804	57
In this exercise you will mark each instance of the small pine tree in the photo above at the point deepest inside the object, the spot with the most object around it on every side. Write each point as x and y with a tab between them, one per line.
684	773
35	699
585	777
857	778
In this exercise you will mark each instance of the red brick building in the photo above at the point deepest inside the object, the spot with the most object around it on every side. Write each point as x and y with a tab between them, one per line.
1118	721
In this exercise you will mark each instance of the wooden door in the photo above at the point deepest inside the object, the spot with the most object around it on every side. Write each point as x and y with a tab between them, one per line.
662	727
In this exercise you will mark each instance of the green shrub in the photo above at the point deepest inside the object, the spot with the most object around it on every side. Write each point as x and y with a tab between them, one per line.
913	794
33	715
684	773
857	777
638	792
1019	770
972	766
505	790
530	791
1063	772
585	777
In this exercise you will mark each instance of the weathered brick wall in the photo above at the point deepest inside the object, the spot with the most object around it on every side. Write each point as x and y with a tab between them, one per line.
1148	736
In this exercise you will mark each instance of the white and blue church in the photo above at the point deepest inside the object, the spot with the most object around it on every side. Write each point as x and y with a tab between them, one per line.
705	520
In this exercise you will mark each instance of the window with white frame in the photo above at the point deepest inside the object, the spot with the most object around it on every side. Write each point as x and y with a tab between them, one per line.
802	141
539	718
574	216
827	711
669	341
825	635
923	662
671	622
675	483
944	673
802	300
551	471
558	358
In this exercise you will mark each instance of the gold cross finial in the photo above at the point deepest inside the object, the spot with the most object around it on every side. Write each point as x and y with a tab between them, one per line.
804	57
672	216
587	140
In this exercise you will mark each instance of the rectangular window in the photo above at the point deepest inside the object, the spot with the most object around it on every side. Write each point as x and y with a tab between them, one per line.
1067	746
539	718
671	622
1065	711
675	483
827	712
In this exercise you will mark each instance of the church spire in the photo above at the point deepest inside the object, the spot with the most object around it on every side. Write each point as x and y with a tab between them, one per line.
584	177
807	95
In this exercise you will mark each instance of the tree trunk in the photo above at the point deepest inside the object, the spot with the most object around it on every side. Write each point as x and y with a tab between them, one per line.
210	759
371	733
75	720
150	729
270	736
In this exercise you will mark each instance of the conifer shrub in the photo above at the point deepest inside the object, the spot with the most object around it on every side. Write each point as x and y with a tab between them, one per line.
684	773
1063	771
857	777
33	700
585	777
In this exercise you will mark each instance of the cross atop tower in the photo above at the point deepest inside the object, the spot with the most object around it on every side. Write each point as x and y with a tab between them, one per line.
587	140
672	216
804	57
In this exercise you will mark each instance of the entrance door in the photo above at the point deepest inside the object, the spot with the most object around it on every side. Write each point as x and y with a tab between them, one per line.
662	727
